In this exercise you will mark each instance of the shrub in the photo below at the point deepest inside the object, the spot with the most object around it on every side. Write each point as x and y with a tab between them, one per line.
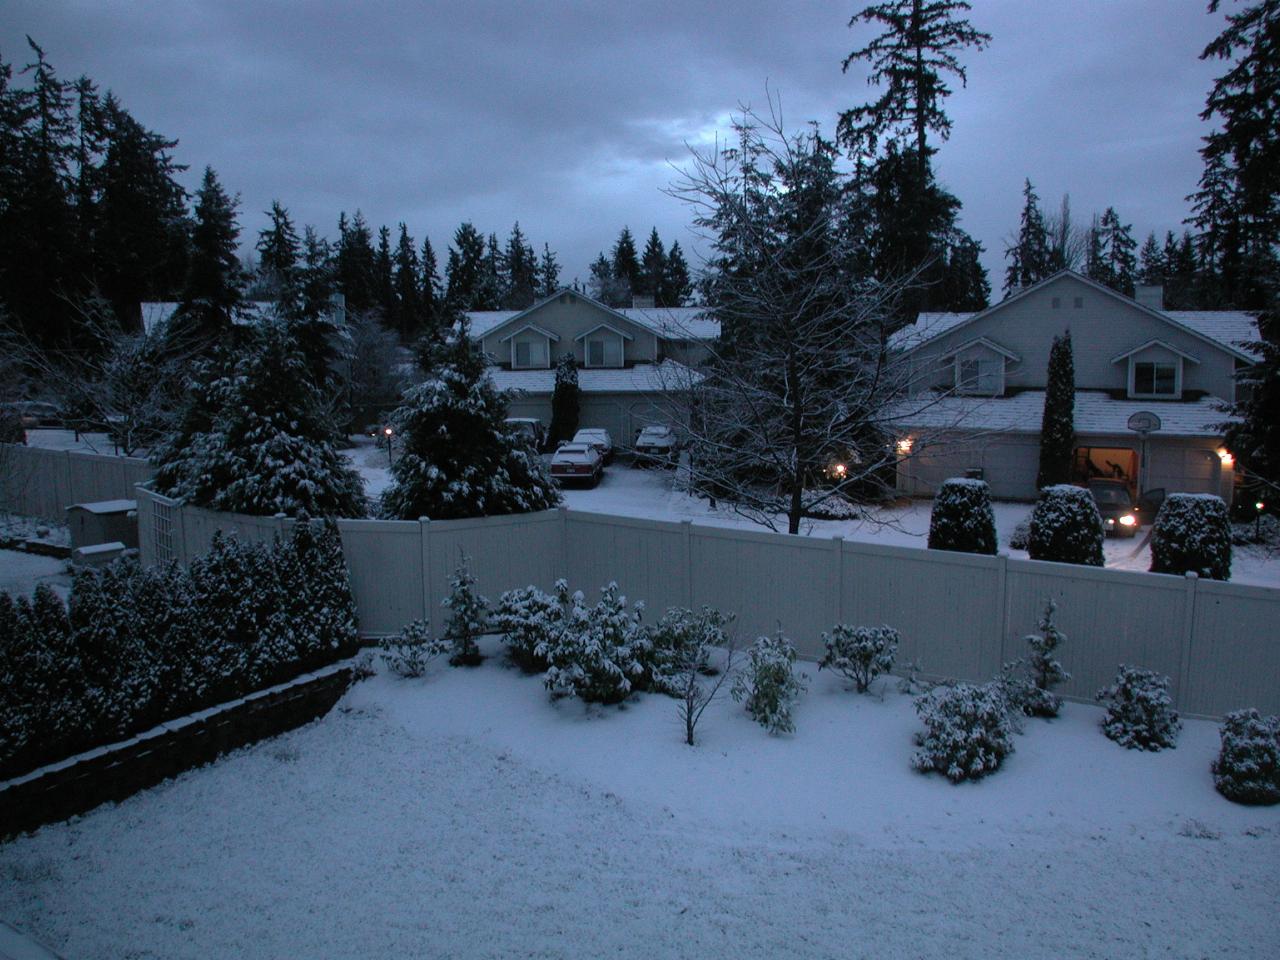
468	620
1192	534
409	651
1021	535
1140	714
1247	769
769	684
1066	527
969	731
1032	693
828	505
962	518
600	652
860	653
681	644
529	620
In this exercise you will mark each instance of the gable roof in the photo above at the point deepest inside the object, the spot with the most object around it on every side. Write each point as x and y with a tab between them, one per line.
1155	343
983	342
1212	327
642	378
670	323
553	337
604	326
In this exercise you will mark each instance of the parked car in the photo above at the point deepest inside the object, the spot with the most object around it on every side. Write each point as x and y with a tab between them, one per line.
577	463
530	429
35	413
1119	515
597	437
656	442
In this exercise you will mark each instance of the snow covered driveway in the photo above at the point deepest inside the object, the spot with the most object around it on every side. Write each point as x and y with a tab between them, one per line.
466	816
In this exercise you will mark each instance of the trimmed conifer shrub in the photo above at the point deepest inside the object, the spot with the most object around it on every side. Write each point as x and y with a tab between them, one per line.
1140	713
968	731
1192	534
468	617
860	653
1057	424
962	518
769	687
1029	682
1066	527
1247	769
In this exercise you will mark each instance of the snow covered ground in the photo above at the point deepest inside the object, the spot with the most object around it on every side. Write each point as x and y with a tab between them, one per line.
464	815
21	572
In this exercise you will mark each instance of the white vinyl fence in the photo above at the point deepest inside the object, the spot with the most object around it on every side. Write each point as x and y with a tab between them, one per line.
959	615
43	483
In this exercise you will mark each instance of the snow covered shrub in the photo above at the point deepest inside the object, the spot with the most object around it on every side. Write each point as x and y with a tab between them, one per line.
1139	712
969	731
1021	534
1192	534
962	518
826	505
679	644
1066	527
408	652
600	652
529	619
1032	691
769	684
1247	769
468	619
860	653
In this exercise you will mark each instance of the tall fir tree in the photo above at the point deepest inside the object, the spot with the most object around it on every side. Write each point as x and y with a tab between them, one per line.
493	276
432	294
384	284
212	294
464	270
1112	259
1029	255
278	255
355	269
677	285
548	272
966	287
408	288
1151	262
653	270
625	264
565	401
521	272
315	273
1057	427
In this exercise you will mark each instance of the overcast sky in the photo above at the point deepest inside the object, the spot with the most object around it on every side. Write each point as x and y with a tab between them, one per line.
568	116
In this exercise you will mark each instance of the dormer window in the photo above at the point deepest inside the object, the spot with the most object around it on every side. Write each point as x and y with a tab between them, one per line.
530	347
1155	370
980	376
1151	379
602	346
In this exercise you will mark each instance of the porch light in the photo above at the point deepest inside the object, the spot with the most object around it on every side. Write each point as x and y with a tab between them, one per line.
1225	456
840	470
904	445
1259	506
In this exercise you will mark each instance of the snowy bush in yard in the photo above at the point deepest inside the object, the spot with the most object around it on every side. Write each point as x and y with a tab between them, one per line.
408	652
680	644
1247	769
1066	527
828	505
528	620
769	685
468	619
600	652
1192	534
1140	714
1021	534
860	653
962	518
1029	682
969	731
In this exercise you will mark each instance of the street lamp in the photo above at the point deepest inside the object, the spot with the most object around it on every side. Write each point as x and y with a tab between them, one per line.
387	432
1257	521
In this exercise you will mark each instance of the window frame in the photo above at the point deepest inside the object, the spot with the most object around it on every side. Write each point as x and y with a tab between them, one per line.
1155	394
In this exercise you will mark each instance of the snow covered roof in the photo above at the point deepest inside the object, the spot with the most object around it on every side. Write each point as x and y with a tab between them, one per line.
1095	413
553	337
159	312
642	378
1233	327
670	323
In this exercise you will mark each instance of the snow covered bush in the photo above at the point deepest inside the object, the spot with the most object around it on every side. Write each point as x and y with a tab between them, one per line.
600	652
1066	527
962	518
969	731
468	617
828	505
680	644
458	458
1029	682
408	652
1140	714
860	653
1021	534
1192	534
769	685
529	620
1247	769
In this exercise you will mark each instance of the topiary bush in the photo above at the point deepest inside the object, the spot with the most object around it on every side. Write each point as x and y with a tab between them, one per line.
1140	714
680	643
969	731
860	653
962	518
529	621
1192	534
769	686
408	652
1247	769
599	653
1066	527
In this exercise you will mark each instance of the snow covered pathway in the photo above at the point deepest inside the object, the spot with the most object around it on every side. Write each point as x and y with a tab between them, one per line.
465	816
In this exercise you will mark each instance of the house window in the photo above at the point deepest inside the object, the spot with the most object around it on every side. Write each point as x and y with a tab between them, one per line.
1152	379
604	351
980	377
529	353
1079	303
1057	302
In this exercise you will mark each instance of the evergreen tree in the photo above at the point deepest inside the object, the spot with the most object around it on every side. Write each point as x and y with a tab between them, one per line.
432	296
493	277
521	272
355	269
1254	437
625	267
458	459
966	287
278	253
1030	260
565	400
653	270
212	293
315	275
677	287
408	288
1181	272
384	285
603	285
464	270
1152	266
1057	428
468	616
1116	246
548	272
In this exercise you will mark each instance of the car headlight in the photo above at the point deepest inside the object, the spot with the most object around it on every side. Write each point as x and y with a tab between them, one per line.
1128	520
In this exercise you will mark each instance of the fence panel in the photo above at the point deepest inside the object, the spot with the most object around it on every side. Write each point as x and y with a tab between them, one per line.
503	553
1233	660
43	483
199	526
644	557
384	558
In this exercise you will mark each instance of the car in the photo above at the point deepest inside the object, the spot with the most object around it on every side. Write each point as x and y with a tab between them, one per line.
656	442
577	463
529	429
36	413
1119	515
599	438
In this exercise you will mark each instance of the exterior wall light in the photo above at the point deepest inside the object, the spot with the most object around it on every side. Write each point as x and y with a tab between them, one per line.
904	445
1225	456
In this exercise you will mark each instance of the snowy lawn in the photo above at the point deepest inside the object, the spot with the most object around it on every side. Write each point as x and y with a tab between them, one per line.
464	815
21	572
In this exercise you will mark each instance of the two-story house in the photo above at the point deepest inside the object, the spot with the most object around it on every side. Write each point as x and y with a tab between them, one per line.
1151	385
629	360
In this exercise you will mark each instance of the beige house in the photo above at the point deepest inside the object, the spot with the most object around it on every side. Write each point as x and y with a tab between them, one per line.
1150	386
628	359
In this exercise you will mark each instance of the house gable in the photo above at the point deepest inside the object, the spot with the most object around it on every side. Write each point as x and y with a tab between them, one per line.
564	317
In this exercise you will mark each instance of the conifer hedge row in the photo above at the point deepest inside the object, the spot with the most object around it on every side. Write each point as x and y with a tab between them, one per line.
134	647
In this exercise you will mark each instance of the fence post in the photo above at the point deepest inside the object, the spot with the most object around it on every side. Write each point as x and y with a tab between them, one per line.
428	577
837	544
686	528
564	543
1002	612
1188	627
